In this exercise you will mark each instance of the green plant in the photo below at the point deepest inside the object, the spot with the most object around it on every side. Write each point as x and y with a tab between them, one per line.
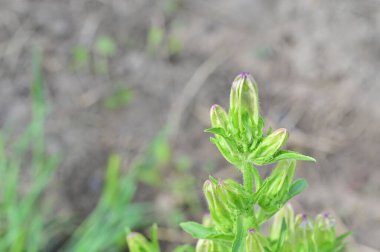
103	229
239	212
121	97
105	48
24	225
80	57
154	38
26	222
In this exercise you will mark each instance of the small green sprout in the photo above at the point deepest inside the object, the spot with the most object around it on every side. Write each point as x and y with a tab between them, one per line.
154	38
120	98
105	48
80	57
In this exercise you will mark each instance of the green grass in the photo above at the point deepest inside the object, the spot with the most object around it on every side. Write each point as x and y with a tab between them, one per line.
26	222
23	224
104	229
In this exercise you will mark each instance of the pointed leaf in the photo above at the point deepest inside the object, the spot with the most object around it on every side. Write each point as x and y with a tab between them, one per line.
199	231
281	240
237	245
184	248
154	239
217	131
286	154
297	187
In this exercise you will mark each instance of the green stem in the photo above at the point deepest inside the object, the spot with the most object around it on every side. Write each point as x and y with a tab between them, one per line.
248	178
257	177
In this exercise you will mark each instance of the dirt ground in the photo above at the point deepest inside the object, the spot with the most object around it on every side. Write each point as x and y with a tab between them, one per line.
316	62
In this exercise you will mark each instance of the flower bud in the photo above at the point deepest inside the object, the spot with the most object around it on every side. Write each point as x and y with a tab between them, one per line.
219	117
218	209
138	243
324	228
244	102
285	214
234	194
207	246
269	146
228	149
273	194
255	242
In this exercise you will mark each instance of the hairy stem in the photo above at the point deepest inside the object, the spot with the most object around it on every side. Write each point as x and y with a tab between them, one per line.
248	178
257	177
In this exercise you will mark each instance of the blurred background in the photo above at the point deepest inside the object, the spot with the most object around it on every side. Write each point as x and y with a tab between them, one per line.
103	104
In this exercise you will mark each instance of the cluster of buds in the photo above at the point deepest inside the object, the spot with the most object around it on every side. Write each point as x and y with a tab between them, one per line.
239	134
304	234
226	199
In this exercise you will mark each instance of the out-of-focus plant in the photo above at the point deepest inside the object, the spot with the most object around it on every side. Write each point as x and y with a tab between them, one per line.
80	57
120	98
24	225
103	229
155	37
158	168
239	212
26	222
105	48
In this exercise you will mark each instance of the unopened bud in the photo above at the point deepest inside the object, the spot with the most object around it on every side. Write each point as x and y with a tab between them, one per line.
324	228
219	117
218	209
234	194
273	194
244	102
255	242
206	246
269	146
227	149
286	214
138	243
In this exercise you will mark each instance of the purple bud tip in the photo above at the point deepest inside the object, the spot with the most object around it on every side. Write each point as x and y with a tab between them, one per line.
214	106
251	230
220	182
304	217
244	74
326	215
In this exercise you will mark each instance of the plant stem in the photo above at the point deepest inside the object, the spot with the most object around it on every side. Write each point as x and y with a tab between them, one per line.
248	178
257	177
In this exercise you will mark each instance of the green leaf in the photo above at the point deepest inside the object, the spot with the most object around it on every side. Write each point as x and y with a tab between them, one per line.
297	187
341	237
154	239
184	248
217	131
199	231
282	237
237	244
214	180
286	154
